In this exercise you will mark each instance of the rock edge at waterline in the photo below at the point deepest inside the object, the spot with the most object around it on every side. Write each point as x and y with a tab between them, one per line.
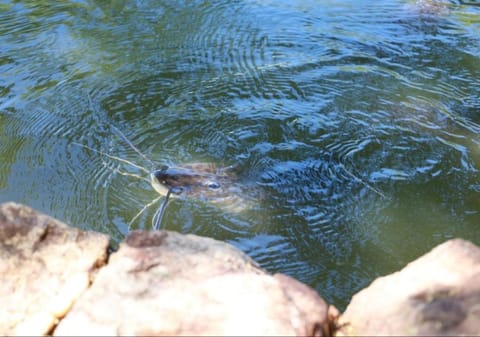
59	280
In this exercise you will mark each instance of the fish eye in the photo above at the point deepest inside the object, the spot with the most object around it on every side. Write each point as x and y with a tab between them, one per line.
213	185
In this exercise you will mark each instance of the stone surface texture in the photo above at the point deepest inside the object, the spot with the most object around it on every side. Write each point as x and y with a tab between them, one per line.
165	283
44	266
437	294
55	279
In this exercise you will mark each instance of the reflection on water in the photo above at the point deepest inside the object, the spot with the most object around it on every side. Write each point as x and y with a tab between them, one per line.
354	126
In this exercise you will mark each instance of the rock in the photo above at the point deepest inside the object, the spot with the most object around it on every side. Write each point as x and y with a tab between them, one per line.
53	280
44	266
165	283
437	294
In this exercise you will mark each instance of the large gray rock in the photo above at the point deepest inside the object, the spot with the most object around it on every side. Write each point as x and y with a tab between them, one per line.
437	294
165	283
44	266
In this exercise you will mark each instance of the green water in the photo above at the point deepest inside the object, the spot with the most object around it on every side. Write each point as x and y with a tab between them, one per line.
354	125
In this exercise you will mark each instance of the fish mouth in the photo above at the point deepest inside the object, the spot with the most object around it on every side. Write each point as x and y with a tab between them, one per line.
160	188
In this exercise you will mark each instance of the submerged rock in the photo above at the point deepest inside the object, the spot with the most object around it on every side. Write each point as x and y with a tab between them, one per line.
437	294
438	8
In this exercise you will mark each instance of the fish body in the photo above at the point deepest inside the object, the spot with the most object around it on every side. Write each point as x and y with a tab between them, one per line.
204	181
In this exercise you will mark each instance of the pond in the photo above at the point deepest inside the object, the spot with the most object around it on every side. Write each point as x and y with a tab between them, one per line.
353	127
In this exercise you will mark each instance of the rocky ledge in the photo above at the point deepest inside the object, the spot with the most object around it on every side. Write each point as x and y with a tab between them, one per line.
59	280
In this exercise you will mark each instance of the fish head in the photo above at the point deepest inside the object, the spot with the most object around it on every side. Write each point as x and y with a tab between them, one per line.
195	180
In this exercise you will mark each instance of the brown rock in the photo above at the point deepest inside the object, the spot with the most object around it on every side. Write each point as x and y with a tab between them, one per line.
44	266
437	294
165	283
